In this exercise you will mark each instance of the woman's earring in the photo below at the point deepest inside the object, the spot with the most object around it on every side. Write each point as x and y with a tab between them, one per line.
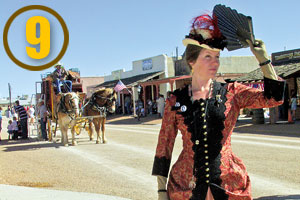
192	70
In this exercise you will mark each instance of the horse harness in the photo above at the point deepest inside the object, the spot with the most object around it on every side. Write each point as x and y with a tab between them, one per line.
95	106
62	107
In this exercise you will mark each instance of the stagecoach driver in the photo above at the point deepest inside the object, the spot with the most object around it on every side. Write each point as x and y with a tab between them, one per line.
59	77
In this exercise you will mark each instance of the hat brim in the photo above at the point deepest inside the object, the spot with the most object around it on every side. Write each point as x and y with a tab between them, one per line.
188	41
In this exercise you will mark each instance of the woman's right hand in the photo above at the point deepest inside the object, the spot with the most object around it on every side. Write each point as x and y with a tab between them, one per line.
163	196
161	185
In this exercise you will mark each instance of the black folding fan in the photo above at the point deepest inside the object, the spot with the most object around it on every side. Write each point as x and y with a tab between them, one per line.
236	27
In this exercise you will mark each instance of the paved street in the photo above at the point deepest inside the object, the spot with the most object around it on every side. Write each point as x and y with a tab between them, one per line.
122	168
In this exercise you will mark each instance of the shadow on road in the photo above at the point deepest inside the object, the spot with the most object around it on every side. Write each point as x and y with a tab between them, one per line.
26	145
281	129
126	119
280	197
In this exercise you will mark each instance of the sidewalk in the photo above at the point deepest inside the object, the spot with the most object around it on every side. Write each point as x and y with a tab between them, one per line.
9	192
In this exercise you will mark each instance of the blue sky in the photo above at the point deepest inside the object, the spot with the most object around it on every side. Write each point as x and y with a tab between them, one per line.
109	35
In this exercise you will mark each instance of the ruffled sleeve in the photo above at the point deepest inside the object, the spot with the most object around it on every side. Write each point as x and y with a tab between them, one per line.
247	97
166	140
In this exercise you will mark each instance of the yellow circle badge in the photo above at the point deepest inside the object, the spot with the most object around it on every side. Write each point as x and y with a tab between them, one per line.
31	38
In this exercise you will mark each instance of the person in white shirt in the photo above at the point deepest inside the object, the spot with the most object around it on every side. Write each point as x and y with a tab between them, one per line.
10	129
43	113
160	105
14	127
31	114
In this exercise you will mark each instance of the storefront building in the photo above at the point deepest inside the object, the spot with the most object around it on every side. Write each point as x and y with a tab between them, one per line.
152	68
287	66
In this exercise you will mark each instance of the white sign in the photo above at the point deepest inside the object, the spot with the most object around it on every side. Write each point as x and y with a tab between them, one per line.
147	64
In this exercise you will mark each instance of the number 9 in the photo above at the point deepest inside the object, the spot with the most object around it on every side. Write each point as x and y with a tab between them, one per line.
43	40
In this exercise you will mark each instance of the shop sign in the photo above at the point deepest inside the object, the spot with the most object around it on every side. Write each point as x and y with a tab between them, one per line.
147	64
286	57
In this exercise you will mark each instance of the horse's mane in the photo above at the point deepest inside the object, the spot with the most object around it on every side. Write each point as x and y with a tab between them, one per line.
102	90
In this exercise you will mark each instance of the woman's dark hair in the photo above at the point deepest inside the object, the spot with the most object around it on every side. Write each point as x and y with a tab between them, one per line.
191	53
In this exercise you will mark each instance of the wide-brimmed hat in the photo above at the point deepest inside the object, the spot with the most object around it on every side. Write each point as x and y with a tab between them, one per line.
58	64
205	33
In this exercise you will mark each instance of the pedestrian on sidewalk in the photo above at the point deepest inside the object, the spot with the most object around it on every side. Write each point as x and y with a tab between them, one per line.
0	121
22	116
128	104
149	106
8	113
31	114
15	129
43	113
205	112
160	105
294	105
10	129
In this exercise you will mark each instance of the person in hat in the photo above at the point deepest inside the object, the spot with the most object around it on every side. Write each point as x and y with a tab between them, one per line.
59	77
205	112
23	117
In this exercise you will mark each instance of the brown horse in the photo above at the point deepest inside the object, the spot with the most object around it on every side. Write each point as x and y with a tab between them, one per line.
97	105
67	109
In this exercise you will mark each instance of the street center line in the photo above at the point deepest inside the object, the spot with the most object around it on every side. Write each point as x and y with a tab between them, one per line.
132	130
134	127
156	132
266	139
267	144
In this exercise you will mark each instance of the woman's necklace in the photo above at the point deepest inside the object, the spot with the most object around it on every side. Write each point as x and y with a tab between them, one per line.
208	94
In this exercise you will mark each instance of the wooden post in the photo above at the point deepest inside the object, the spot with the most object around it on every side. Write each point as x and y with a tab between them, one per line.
156	91
133	99
152	93
172	84
144	97
123	107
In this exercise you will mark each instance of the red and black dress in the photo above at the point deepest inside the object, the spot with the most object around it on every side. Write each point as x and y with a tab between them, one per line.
207	159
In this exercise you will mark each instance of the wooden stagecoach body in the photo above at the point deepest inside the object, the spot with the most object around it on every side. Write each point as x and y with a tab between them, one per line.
51	100
47	92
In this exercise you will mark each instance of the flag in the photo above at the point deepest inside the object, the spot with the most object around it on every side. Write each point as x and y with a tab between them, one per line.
120	86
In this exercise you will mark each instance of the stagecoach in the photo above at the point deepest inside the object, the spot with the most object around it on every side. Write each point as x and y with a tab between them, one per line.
46	90
95	108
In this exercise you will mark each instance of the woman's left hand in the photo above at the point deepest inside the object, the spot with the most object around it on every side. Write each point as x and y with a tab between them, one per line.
259	50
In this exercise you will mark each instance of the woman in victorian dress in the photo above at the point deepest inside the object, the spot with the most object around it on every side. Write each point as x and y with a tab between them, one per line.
205	112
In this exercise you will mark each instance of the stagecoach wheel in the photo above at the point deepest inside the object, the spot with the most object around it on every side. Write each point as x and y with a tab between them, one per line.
49	130
77	129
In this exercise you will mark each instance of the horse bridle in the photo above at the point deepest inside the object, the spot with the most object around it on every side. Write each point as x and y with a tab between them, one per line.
101	109
108	100
63	107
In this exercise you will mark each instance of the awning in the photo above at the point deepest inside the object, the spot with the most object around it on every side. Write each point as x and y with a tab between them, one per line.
282	70
130	81
165	80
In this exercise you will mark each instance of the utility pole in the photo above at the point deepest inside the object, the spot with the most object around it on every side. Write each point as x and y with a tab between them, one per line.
9	93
